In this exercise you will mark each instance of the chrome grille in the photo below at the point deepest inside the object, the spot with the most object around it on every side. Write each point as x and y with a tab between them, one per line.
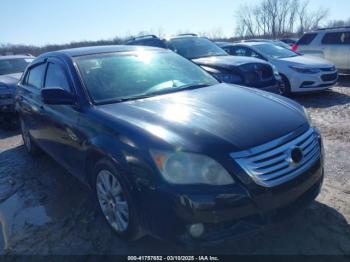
271	164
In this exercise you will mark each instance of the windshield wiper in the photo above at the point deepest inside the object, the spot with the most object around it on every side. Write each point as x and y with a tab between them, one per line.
160	92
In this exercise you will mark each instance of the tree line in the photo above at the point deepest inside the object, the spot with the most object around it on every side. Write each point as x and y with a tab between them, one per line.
278	18
267	19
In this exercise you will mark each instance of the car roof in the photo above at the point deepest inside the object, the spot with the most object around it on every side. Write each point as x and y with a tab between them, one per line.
331	29
6	57
222	44
93	50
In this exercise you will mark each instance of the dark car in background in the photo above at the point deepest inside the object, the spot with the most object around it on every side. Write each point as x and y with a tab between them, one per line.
11	69
167	149
244	71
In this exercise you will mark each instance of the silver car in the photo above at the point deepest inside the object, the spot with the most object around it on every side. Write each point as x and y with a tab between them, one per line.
332	44
11	69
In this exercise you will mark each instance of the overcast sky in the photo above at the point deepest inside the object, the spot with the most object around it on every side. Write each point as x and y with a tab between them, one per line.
42	22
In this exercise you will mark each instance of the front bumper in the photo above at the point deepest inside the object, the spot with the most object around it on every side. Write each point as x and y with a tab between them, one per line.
7	101
305	83
227	212
276	88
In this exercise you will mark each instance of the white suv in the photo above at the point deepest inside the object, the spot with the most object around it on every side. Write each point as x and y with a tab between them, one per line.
332	44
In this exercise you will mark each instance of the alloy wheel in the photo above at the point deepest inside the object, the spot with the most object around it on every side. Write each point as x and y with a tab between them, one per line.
112	200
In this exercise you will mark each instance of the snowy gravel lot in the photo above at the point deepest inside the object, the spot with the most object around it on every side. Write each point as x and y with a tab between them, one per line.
44	210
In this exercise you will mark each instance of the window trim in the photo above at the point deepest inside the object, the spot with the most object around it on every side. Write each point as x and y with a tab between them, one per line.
27	75
57	62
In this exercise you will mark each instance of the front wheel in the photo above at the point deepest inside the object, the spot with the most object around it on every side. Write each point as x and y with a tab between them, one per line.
28	142
114	200
286	89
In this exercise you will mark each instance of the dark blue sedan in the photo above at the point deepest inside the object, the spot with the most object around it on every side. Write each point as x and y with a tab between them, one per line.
167	149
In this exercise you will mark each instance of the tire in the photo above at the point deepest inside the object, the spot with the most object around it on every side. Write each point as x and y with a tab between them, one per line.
28	142
286	90
124	220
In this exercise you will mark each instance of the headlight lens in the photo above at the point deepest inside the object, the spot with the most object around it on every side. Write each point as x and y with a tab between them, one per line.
188	169
304	70
228	78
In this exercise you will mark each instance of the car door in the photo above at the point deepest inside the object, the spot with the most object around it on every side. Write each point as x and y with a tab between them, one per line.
335	48
59	130
29	99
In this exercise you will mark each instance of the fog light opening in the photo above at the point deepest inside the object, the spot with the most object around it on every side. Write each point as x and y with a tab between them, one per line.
196	230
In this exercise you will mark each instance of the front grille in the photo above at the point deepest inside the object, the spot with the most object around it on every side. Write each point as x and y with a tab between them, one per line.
329	77
5	96
255	73
272	164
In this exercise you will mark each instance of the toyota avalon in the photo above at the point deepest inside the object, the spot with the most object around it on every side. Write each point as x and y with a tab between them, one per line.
168	150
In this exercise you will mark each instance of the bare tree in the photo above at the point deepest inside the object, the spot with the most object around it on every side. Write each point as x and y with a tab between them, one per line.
273	18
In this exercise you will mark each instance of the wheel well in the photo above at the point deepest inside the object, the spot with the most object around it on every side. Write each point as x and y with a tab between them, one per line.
92	158
286	78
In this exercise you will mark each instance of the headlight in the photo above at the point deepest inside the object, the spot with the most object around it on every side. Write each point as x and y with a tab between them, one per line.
188	169
228	78
305	70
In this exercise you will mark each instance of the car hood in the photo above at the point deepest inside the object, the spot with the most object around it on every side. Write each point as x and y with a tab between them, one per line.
10	80
216	117
226	62
308	61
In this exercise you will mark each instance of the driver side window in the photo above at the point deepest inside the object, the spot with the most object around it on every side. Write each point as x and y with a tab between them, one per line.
55	77
240	51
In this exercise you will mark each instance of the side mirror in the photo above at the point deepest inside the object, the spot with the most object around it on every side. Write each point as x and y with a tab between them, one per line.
57	96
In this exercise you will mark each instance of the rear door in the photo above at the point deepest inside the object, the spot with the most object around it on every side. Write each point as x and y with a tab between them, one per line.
60	121
336	46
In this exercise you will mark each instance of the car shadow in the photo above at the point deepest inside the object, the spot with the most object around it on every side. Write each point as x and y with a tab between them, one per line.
324	99
327	98
344	80
45	210
8	131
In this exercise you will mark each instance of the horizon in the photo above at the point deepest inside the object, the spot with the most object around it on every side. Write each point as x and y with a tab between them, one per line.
40	22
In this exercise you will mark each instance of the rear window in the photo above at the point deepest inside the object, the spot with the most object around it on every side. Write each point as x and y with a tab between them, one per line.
307	39
336	38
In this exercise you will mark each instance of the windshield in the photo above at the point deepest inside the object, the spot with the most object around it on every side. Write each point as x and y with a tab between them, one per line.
14	65
195	47
274	51
116	77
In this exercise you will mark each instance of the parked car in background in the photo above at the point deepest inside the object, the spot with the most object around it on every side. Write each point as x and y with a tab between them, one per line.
249	72
11	69
332	44
299	73
166	148
289	41
274	42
